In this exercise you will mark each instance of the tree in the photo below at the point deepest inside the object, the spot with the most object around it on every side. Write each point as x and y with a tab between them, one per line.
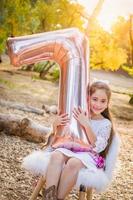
67	17
90	19
57	15
105	52
3	29
120	32
131	37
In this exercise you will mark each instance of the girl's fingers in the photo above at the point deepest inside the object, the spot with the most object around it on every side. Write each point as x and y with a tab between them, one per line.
64	115
63	123
81	111
75	114
76	111
75	117
66	118
79	108
67	121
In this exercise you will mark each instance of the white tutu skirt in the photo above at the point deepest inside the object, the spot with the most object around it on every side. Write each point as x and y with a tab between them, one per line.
37	163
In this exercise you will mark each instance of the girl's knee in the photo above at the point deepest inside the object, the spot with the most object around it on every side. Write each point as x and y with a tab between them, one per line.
57	157
74	164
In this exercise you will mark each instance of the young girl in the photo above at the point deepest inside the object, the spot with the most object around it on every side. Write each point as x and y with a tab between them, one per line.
65	164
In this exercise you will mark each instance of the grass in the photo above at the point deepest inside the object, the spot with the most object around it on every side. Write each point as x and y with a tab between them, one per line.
8	83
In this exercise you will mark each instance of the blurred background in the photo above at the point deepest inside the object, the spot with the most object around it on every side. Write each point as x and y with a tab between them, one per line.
109	25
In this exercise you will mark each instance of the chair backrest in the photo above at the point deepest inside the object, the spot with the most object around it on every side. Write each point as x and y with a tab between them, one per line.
112	156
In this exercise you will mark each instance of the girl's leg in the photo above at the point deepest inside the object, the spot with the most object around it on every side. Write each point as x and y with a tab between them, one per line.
55	165
69	177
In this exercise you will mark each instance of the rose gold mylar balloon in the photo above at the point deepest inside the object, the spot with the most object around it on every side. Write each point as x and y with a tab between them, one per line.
69	48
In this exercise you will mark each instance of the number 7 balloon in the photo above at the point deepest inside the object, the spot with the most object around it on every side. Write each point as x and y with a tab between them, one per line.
69	48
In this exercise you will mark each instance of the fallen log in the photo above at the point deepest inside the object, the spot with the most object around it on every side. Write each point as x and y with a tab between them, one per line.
50	109
21	106
23	127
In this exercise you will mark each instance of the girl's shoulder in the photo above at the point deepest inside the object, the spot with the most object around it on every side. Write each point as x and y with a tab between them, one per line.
101	122
101	125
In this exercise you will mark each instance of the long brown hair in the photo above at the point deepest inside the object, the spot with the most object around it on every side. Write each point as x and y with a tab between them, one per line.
106	113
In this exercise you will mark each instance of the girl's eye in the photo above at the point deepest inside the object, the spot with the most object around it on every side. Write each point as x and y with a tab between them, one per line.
94	99
103	101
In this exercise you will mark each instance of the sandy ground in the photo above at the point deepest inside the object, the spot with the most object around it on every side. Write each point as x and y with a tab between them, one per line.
16	183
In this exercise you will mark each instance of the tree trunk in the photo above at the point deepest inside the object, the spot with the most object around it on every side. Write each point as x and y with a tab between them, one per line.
23	127
45	71
97	9
91	18
20	106
29	67
0	59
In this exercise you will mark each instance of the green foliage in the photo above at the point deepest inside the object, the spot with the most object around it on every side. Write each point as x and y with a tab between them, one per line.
3	38
23	17
8	83
128	69
105	51
39	67
108	51
55	73
120	31
48	70
48	14
68	14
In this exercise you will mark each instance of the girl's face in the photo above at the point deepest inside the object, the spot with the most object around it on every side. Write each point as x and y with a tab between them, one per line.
98	101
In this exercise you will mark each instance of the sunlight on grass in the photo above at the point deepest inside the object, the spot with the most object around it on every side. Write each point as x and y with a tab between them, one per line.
9	84
35	77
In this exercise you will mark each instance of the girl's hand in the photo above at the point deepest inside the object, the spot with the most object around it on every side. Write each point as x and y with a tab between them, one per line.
81	116
60	120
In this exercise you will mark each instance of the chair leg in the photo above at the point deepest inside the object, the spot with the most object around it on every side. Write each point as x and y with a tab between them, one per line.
37	188
82	192
89	194
82	195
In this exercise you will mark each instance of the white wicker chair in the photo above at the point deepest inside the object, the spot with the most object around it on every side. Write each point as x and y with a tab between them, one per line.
98	180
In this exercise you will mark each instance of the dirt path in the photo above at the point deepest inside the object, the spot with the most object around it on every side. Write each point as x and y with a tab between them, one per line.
16	183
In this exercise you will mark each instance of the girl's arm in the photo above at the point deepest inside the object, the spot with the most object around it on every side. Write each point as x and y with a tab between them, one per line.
82	118
90	134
